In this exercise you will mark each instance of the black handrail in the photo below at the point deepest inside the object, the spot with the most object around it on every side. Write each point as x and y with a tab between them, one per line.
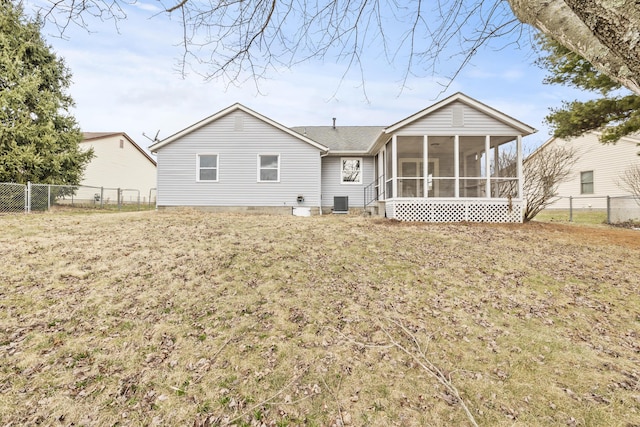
374	191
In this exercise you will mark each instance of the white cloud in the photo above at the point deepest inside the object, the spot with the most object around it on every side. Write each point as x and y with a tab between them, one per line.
510	73
149	7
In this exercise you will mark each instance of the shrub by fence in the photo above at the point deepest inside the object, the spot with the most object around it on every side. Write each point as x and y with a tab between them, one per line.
42	197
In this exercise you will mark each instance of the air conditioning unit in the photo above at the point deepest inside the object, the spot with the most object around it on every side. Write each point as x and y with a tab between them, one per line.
341	204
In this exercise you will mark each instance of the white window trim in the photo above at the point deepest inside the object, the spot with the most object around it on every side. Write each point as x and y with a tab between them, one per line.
259	168
359	182
198	167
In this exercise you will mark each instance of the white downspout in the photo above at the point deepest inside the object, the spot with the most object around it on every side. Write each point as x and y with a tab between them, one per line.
322	155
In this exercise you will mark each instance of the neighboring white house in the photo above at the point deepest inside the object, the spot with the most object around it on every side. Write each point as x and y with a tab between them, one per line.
119	163
597	172
435	165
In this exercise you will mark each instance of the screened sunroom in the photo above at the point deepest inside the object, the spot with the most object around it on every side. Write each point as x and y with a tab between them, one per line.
437	167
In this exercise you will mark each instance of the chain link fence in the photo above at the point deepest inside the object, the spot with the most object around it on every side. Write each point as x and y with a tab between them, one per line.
43	197
153	192
13	198
595	209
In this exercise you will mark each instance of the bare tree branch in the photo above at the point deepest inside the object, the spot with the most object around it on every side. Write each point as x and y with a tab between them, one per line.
630	180
420	357
543	172
240	40
176	7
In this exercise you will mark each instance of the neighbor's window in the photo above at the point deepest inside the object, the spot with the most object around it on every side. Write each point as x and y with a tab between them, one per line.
351	172
268	168
207	167
586	182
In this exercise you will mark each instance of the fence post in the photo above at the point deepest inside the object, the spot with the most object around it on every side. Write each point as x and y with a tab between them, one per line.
138	199
28	206
570	208
119	195
26	197
48	197
608	209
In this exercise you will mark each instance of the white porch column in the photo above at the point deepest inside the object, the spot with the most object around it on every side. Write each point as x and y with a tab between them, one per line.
380	185
519	168
487	165
496	160
394	164
456	166
425	165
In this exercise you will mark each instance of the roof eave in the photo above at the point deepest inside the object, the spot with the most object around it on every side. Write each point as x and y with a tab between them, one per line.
110	134
237	106
332	153
378	142
523	128
629	138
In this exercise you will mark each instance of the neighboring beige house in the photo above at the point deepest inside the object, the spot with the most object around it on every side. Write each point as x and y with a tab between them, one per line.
119	163
597	172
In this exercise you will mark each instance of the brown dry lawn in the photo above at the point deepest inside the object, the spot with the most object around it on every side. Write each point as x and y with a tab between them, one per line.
190	318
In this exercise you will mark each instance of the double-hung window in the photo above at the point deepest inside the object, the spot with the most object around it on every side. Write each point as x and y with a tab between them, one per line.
586	182
268	168
351	170
207	168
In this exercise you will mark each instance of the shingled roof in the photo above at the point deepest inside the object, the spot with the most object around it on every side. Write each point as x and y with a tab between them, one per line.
342	139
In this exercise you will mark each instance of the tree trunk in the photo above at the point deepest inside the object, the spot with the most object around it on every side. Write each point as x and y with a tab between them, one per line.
605	32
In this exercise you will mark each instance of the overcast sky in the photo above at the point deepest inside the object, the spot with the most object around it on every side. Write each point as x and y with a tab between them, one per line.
127	79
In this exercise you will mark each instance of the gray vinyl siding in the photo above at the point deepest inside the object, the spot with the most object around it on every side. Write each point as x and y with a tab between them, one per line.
442	121
332	185
237	139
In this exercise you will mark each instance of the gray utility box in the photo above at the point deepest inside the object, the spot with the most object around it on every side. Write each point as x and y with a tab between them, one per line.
341	204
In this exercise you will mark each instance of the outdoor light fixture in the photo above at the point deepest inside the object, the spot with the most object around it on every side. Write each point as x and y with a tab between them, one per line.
300	198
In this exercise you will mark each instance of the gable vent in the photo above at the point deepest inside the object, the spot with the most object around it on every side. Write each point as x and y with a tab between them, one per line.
457	118
238	125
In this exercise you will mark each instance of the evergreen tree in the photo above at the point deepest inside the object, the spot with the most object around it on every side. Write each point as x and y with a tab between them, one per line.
38	136
616	113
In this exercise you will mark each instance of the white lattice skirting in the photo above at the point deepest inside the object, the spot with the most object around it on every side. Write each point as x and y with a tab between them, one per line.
455	210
